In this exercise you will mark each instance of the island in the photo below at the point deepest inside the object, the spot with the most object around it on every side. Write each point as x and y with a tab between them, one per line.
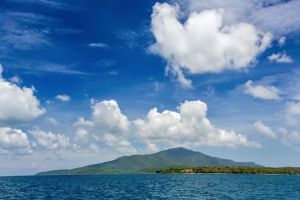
150	163
176	160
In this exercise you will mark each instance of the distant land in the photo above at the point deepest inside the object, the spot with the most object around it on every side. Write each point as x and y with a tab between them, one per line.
233	170
151	163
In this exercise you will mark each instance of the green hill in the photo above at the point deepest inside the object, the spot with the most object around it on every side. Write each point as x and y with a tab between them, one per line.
149	163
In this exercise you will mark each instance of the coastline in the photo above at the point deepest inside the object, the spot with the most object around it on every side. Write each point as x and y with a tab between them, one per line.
234	170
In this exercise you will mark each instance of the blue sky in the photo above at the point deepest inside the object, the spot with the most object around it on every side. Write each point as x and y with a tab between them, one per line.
81	80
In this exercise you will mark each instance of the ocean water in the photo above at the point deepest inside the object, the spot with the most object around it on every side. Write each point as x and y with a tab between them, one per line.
151	186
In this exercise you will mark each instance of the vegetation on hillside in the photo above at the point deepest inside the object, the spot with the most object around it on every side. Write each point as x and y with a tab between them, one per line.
233	170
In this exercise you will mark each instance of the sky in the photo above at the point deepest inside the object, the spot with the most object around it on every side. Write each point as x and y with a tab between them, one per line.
82	82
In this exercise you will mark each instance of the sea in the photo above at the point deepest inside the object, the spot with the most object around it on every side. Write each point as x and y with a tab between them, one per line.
151	186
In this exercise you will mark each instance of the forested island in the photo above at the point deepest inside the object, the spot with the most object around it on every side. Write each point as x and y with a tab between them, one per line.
233	170
150	163
176	160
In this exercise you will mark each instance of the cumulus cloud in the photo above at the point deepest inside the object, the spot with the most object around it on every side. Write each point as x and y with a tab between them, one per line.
265	92
14	141
264	129
63	97
189	126
108	126
280	58
203	43
108	115
49	140
17	104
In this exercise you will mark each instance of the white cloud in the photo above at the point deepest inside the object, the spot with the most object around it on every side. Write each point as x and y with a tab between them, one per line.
36	67
121	144
159	130
15	79
98	45
81	136
279	18
49	140
203	43
187	127
14	141
95	148
51	121
108	115
83	122
280	58
293	108
265	92
17	32
17	104
107	126
50	4
263	14
290	138
63	97
293	137
1	71
292	113
288	83
264	129
281	41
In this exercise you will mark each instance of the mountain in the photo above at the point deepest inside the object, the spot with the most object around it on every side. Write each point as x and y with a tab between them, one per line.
149	163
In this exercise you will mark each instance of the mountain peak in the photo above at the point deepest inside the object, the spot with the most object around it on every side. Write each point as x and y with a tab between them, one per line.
178	150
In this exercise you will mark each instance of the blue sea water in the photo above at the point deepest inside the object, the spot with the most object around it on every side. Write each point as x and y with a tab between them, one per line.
151	186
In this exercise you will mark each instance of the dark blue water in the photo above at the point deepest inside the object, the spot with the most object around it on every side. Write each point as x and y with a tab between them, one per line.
151	186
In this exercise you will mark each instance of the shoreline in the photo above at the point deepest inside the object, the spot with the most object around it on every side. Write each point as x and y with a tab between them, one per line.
234	170
150	174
